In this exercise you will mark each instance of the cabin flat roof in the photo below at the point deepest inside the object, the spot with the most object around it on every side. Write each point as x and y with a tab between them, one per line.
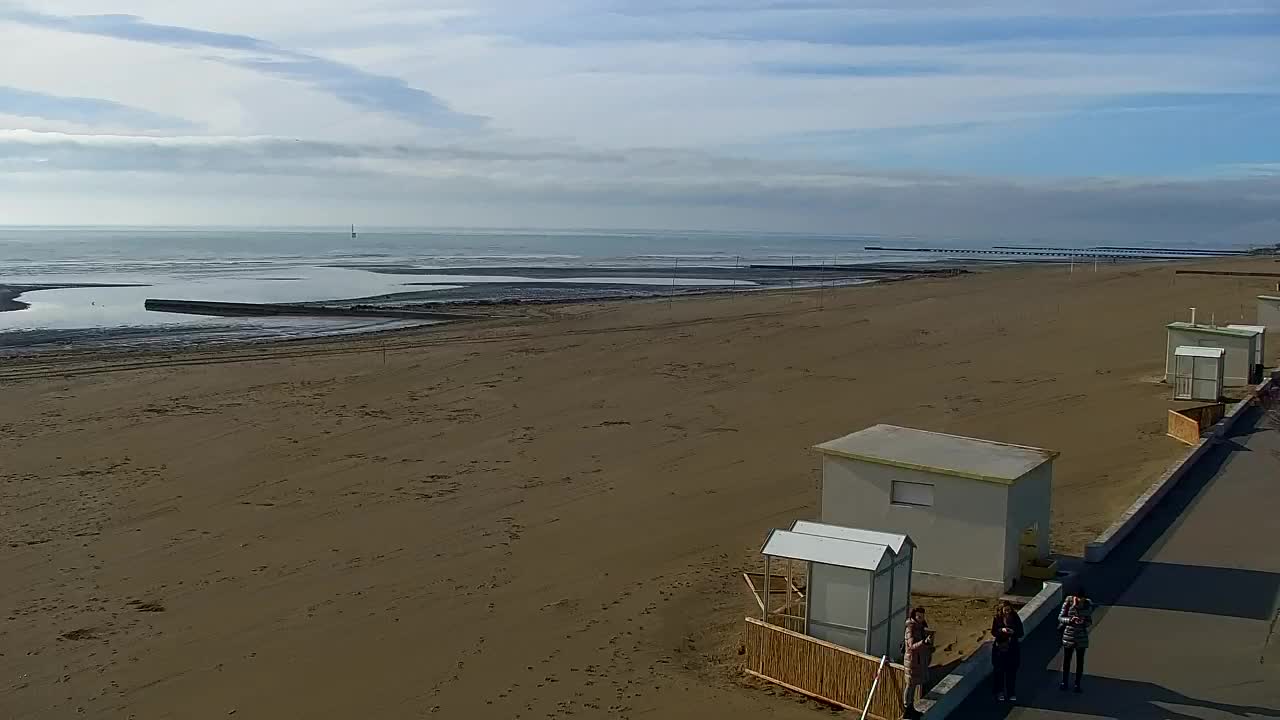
939	453
1210	329
1256	329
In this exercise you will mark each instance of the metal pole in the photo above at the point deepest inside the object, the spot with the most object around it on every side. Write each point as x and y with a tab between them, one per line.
788	585
766	589
822	287
670	297
867	705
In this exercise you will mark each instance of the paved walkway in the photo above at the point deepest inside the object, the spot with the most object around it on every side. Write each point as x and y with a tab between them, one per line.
1186	627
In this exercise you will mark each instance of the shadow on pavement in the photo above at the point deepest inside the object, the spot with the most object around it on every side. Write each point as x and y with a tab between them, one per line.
1231	592
1108	581
1114	698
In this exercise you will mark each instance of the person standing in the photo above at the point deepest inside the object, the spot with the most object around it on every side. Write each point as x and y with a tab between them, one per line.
918	650
1074	621
1006	652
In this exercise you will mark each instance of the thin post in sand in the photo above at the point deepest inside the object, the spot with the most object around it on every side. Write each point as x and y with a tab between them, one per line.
674	269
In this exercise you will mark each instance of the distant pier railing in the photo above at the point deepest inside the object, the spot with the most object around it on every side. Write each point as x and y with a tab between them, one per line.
1081	253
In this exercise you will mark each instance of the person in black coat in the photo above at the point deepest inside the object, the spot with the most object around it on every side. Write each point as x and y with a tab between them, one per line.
1006	652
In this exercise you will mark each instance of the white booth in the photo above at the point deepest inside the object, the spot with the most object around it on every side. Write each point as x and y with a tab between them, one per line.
1260	346
1198	373
1240	347
902	548
975	507
850	597
1269	312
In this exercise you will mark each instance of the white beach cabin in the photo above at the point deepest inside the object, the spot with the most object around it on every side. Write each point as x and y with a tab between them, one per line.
1198	373
848	589
899	586
1240	347
1269	312
975	507
1260	351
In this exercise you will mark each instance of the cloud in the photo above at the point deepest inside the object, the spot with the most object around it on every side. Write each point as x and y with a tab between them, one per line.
885	23
421	184
924	116
82	110
905	69
351	84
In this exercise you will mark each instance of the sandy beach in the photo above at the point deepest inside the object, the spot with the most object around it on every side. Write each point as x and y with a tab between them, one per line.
541	515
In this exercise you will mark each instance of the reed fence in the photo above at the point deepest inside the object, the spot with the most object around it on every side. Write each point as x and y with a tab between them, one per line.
823	670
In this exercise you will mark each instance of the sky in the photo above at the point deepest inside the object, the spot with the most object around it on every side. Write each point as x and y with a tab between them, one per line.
1091	120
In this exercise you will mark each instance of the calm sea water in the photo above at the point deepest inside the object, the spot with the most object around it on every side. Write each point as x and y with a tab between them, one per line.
299	265
115	249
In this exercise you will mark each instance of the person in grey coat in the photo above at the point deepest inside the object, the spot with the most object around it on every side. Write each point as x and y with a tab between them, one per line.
1074	621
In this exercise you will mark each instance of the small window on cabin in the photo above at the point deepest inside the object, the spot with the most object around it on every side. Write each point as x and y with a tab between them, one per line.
912	493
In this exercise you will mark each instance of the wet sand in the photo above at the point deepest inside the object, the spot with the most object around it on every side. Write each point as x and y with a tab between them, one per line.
9	299
540	515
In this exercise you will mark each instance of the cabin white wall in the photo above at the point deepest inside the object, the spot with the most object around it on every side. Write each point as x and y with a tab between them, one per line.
963	534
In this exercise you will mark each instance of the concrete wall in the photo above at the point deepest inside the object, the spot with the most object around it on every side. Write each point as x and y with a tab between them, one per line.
1269	315
963	535
1239	357
1030	503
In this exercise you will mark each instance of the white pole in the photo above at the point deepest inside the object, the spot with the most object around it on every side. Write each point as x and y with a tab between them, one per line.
1193	316
766	588
867	705
674	269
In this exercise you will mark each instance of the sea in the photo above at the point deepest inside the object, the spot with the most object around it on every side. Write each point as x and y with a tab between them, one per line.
310	265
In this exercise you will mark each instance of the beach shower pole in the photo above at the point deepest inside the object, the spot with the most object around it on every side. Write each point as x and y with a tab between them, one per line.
884	659
835	268
822	284
674	269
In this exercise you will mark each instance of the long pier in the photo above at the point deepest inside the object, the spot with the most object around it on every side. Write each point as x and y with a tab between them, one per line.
1131	250
1020	253
1093	254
